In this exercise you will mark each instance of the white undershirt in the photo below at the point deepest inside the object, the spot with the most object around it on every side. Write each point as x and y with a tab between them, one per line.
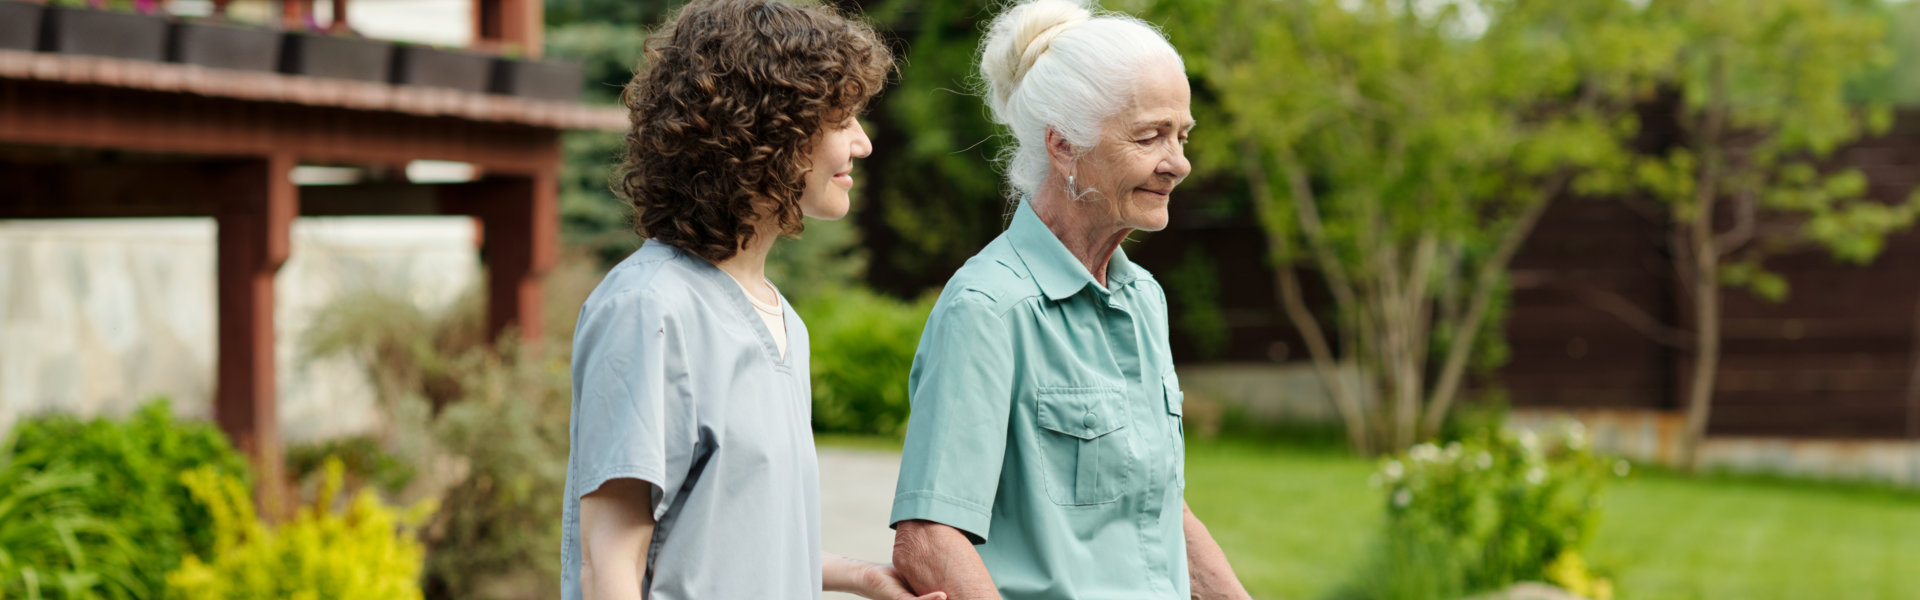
770	314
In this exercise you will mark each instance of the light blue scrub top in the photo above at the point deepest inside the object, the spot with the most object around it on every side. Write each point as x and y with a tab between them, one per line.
677	382
1046	424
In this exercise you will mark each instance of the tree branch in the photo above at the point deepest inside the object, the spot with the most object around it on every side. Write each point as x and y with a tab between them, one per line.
1484	284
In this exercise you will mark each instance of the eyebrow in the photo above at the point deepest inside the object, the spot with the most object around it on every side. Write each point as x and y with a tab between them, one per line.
1168	123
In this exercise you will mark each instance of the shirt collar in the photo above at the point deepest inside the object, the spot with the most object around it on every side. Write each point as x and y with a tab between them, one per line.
1059	273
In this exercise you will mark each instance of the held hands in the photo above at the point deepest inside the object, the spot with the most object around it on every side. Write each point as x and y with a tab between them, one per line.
879	581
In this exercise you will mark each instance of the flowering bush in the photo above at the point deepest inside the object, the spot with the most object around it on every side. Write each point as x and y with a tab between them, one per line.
1488	511
367	551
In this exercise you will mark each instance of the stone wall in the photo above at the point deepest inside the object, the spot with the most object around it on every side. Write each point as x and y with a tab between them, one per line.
97	316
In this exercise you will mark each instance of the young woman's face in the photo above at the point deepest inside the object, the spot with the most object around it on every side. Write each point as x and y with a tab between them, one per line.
832	174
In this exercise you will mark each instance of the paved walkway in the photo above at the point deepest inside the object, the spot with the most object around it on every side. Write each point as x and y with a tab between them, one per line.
856	493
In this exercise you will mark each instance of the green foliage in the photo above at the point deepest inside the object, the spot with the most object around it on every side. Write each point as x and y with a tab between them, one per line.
1762	101
863	346
1194	290
52	544
499	411
1487	512
1404	150
111	490
365	459
932	177
365	551
825	258
609	49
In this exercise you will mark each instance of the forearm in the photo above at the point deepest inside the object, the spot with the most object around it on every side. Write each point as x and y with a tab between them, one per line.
841	574
1210	576
616	530
936	557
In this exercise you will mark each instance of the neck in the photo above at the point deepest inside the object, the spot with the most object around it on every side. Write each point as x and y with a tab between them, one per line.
749	265
1088	229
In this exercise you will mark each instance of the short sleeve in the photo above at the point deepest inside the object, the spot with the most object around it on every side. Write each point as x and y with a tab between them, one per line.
630	419
961	389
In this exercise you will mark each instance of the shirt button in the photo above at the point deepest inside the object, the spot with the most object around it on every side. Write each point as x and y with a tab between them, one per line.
1089	421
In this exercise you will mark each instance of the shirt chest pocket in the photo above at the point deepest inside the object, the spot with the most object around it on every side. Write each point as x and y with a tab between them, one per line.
1176	404
1081	458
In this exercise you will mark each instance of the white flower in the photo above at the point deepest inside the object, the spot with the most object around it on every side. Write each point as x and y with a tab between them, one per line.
1576	436
1529	440
1453	451
1402	498
1393	470
1621	468
1536	475
1484	461
1423	453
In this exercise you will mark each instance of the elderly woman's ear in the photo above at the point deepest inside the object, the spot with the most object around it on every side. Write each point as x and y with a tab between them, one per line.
1061	153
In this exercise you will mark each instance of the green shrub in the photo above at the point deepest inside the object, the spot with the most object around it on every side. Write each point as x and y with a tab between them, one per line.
863	345
1488	511
52	545
122	483
484	427
367	551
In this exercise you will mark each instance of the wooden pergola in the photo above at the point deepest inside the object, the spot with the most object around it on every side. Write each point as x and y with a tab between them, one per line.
88	137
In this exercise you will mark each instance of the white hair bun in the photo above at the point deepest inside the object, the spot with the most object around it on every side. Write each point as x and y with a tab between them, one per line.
1018	37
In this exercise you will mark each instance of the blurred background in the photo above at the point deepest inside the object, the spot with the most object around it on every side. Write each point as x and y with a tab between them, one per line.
1503	298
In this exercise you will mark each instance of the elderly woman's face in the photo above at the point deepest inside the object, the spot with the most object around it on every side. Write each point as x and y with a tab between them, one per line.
1142	151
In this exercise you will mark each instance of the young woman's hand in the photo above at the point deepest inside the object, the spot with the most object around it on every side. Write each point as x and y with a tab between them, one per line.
876	581
884	583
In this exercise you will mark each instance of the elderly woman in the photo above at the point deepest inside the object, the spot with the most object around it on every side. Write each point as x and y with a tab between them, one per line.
1044	453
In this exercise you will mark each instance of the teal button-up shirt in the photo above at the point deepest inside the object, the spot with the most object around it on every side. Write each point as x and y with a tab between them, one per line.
1046	423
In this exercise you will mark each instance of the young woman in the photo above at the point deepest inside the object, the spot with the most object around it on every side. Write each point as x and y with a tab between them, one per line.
692	473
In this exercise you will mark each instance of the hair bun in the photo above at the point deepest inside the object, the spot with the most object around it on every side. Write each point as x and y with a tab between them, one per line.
1018	37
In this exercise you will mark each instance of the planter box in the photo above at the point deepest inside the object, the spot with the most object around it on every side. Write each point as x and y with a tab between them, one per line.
20	25
70	30
224	46
337	57
433	67
544	80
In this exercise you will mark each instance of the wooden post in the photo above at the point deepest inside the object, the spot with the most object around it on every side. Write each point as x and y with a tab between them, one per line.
520	239
339	24
502	24
256	215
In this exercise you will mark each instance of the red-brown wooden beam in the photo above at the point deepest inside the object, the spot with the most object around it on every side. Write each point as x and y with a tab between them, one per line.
66	191
255	220
52	114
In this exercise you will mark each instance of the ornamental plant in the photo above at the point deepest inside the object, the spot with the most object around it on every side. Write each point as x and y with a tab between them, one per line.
1490	510
365	551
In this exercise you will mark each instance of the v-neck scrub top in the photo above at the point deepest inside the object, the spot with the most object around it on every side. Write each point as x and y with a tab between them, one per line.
676	382
1045	423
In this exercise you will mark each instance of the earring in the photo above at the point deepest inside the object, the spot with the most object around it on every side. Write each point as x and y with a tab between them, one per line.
1070	189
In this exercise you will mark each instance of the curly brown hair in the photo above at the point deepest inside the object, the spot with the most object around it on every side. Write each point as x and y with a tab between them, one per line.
725	112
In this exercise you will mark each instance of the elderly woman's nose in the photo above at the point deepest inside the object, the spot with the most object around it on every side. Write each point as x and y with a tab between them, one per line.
1176	164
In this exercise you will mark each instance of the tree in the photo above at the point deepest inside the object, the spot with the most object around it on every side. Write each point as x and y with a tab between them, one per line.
1403	151
1762	100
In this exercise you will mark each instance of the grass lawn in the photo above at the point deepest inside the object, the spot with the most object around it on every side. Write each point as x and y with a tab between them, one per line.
1297	523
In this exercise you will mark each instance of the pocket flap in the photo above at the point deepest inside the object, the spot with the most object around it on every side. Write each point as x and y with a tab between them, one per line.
1084	413
1175	398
